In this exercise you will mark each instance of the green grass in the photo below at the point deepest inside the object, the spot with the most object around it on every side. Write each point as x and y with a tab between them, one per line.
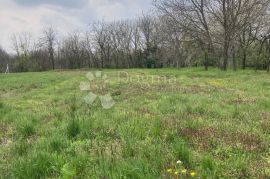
217	123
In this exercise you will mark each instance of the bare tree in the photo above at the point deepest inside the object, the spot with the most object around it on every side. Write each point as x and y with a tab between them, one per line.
22	44
50	41
234	16
88	46
181	33
147	25
192	19
102	42
4	59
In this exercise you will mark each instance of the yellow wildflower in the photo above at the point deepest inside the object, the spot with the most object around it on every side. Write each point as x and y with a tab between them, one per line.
184	171
192	174
216	83
169	170
176	173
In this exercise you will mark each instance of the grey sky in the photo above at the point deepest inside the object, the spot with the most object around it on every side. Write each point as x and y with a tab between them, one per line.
61	3
66	15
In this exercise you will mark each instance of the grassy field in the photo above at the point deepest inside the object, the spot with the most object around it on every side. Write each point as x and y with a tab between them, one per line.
215	124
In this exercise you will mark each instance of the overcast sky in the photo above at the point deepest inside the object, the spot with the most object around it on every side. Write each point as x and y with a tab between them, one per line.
66	15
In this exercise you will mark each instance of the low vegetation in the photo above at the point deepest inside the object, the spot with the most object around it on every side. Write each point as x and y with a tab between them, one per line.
196	123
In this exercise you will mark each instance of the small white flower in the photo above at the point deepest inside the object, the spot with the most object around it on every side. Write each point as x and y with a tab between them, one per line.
179	162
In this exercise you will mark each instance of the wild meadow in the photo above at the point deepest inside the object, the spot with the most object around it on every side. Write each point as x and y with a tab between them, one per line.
165	123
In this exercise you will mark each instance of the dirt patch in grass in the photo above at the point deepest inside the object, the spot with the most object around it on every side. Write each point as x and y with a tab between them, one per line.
47	118
265	122
133	90
3	127
145	111
265	125
204	89
5	131
265	115
241	100
249	142
205	138
198	133
169	122
199	138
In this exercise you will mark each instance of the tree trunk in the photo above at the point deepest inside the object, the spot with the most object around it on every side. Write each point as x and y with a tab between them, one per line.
268	63
268	59
52	60
206	60
234	60
225	56
244	59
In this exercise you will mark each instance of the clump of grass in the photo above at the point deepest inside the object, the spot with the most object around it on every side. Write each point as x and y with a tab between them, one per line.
68	171
78	165
266	83
208	167
157	128
128	148
37	165
26	128
236	112
1	105
116	93
56	144
72	107
193	124
265	104
182	152
136	168
241	169
87	131
20	148
73	128
189	109
170	136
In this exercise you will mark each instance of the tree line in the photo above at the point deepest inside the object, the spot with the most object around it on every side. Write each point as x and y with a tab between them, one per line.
179	33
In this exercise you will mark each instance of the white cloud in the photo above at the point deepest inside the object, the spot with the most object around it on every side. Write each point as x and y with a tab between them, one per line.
66	15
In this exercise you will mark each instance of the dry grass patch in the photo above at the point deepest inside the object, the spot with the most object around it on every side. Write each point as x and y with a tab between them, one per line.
202	139
243	100
5	134
196	89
